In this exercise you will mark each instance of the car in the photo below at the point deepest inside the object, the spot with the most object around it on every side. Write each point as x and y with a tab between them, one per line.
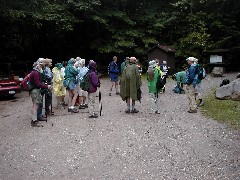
9	86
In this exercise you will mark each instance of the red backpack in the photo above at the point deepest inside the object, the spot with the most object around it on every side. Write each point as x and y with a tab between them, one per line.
25	84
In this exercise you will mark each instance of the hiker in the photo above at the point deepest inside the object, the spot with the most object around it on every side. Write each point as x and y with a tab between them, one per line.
113	74
198	89
48	80
124	63
64	65
163	76
164	68
77	61
82	70
153	74
36	82
70	83
40	115
130	85
58	89
94	83
180	78
191	80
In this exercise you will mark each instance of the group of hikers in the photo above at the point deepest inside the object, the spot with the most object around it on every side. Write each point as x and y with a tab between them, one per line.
82	82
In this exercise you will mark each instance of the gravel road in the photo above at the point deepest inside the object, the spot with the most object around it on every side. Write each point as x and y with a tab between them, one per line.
171	145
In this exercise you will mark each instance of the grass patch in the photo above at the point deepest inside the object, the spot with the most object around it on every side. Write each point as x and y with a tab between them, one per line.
226	111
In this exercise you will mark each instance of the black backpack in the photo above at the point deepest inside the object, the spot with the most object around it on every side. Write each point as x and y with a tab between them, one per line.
160	82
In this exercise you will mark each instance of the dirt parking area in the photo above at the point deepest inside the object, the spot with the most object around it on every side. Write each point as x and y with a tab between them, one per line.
169	145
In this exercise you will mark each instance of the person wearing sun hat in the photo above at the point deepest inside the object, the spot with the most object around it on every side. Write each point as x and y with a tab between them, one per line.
36	82
130	85
198	87
191	81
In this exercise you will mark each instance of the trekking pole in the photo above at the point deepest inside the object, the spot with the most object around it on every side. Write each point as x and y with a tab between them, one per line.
100	102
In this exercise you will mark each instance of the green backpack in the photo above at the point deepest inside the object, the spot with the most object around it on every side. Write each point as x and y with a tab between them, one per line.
85	83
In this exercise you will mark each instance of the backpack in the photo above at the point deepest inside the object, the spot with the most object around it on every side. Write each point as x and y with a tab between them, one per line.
150	72
85	83
160	82
200	71
25	84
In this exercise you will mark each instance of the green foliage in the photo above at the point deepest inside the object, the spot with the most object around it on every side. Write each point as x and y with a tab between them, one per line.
103	27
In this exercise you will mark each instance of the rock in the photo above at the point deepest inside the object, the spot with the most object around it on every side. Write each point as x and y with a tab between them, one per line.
238	76
217	72
229	91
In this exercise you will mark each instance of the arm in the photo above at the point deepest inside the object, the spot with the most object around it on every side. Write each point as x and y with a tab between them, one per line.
94	80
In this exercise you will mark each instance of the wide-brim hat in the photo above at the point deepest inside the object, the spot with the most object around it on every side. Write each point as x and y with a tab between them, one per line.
152	64
191	59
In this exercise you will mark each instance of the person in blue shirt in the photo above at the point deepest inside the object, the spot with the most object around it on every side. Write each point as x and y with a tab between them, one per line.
113	74
191	81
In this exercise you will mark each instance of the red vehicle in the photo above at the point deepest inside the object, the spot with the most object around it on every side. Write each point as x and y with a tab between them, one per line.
9	86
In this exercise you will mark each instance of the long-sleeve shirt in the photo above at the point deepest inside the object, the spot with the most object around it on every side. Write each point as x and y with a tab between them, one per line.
35	80
181	77
191	77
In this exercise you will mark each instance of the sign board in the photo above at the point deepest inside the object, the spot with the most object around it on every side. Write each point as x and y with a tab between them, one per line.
215	59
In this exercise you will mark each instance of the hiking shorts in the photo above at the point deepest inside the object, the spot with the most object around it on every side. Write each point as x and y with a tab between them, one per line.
71	85
36	96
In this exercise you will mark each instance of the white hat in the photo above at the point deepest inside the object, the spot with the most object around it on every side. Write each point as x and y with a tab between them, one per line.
191	59
164	62
82	61
41	61
152	64
78	59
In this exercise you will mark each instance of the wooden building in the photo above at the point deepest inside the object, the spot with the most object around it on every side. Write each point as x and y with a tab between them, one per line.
163	53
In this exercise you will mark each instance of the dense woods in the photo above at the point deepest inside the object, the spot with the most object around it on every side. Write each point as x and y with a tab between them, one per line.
99	29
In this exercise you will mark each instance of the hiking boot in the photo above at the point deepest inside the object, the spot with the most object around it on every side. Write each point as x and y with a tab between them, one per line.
81	107
35	124
201	104
117	93
74	110
93	116
134	111
157	112
85	105
110	94
192	111
64	104
42	119
127	111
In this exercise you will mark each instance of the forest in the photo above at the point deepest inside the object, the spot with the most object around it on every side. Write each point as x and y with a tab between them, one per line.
99	29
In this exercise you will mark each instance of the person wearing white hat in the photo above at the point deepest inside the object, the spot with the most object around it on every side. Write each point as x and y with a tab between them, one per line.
198	89
191	84
153	74
82	70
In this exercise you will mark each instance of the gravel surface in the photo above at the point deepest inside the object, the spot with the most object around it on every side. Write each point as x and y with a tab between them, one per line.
171	145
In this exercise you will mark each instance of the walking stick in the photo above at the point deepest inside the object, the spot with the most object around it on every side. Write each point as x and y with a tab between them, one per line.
100	102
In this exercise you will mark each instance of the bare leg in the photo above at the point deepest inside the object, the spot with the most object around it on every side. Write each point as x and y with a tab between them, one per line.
75	94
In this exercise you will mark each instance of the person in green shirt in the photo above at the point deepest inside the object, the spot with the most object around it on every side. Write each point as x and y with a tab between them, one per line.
180	77
153	74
